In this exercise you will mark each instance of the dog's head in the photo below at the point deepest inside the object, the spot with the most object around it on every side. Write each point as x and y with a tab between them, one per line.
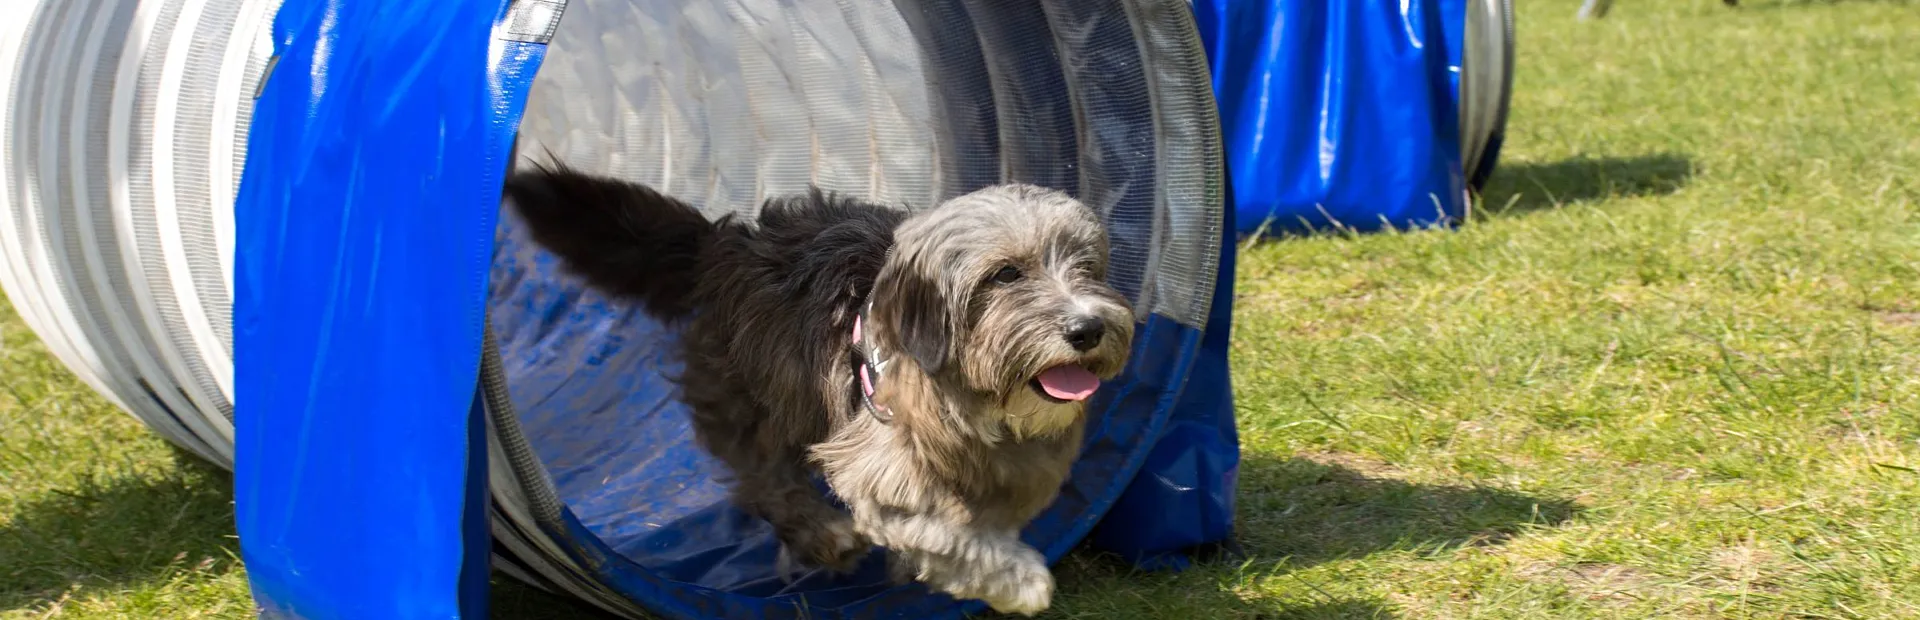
1003	292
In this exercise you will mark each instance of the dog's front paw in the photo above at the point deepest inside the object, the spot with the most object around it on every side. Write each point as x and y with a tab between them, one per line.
1025	587
1016	583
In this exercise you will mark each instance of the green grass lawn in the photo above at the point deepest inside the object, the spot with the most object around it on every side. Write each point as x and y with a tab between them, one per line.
1669	370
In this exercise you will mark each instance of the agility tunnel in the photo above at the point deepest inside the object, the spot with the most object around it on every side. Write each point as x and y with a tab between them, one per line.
271	230
1359	115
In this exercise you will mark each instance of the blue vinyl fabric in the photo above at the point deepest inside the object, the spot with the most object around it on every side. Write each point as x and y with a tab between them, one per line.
1182	499
365	222
1339	112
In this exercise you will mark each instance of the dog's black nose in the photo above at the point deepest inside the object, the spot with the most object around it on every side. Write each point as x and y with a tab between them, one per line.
1085	332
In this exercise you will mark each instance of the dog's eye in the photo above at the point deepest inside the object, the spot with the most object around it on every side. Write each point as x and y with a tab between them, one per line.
1007	275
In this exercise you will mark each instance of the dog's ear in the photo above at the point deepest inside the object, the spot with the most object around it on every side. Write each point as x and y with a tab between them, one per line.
910	306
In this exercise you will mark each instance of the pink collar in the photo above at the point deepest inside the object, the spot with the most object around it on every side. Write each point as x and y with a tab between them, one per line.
871	368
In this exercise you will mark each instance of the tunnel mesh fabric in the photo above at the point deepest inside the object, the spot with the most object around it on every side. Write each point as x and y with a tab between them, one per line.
125	129
724	104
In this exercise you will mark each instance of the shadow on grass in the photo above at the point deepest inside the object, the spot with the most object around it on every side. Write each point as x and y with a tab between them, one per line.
1298	513
118	532
1520	187
131	531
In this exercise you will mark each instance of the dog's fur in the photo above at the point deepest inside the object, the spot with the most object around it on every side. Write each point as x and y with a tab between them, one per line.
973	449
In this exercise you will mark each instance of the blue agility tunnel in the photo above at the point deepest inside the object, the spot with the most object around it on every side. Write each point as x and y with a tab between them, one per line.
1359	115
273	232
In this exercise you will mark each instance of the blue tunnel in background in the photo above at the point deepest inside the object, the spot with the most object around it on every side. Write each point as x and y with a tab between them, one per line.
1358	115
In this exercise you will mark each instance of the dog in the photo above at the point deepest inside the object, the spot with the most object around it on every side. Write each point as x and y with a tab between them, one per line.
932	366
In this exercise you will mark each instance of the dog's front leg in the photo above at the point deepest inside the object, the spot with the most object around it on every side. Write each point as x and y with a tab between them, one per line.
966	561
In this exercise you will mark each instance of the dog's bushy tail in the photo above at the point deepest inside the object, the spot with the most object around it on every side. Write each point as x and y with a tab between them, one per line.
623	238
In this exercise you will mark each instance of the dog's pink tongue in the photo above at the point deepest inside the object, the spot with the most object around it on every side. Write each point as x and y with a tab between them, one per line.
1069	382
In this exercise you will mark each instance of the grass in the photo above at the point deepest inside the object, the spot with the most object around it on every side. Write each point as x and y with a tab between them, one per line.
98	517
1669	370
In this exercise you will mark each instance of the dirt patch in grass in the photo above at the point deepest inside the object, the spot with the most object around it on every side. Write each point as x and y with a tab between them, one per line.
1595	581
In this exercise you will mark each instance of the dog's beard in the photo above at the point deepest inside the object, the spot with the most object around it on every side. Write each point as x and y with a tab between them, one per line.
1044	404
1029	415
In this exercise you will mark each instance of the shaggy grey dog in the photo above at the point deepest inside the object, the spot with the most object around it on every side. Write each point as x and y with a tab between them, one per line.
933	366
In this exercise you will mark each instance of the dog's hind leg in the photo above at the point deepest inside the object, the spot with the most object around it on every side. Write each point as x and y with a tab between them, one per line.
772	479
811	530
